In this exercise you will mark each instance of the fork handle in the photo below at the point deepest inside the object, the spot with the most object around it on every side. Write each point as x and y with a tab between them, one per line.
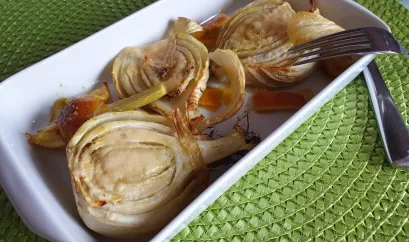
392	128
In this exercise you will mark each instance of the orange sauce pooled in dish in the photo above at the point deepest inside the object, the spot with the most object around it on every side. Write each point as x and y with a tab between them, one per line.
264	101
213	98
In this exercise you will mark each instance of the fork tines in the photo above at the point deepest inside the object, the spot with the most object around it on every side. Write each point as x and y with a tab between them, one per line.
348	42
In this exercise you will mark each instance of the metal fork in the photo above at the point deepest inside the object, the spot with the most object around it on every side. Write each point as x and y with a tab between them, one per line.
392	128
355	41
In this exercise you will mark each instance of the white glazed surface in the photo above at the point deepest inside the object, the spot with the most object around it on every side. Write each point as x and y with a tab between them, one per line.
37	180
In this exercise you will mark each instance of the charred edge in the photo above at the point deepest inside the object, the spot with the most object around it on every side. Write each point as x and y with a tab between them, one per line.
101	203
162	72
197	119
194	122
187	70
192	100
176	93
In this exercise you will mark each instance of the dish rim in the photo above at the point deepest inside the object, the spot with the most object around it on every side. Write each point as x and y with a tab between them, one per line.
225	181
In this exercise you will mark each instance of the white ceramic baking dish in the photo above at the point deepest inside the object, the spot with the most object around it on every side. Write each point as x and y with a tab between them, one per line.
37	180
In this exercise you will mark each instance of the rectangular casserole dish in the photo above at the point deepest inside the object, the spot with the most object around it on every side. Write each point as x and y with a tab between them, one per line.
37	180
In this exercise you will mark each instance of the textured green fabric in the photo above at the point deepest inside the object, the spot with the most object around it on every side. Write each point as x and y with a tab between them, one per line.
326	182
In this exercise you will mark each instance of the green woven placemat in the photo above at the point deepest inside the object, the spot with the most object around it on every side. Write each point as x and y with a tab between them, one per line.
326	182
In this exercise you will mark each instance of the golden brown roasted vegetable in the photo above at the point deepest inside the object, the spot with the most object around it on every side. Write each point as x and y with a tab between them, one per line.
211	30
49	137
258	34
57	108
179	62
306	26
133	172
68	115
84	107
80	109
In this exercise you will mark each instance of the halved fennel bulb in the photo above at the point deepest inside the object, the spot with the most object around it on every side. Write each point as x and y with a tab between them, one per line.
180	62
133	172
258	34
261	34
